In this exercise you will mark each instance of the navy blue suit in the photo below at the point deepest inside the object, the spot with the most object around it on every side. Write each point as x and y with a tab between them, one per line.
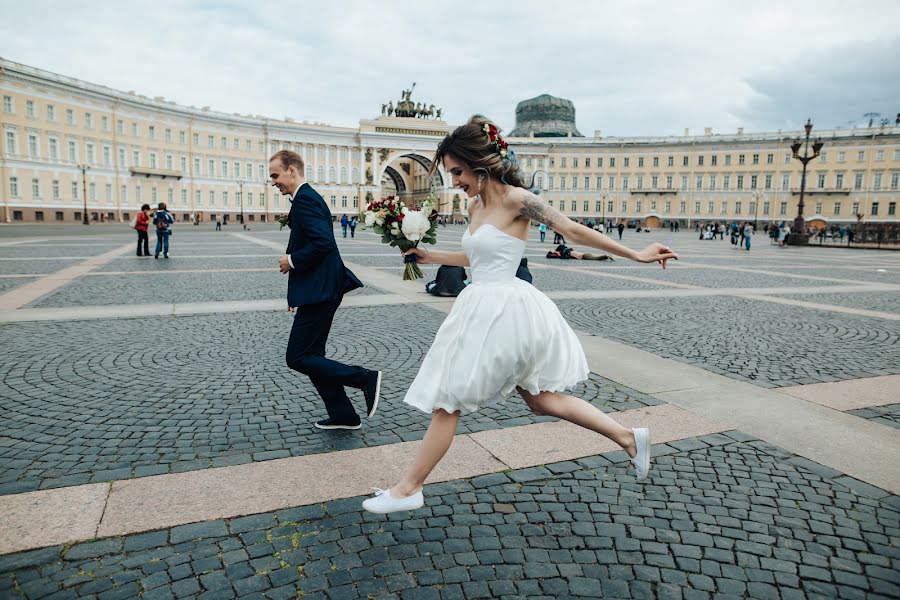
317	283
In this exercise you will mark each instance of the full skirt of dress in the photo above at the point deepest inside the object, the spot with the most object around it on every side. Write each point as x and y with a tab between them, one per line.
498	336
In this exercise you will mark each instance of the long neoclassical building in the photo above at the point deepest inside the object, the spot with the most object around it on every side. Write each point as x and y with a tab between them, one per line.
68	144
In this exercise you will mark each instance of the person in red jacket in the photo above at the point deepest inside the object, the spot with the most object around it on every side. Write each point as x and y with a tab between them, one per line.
141	225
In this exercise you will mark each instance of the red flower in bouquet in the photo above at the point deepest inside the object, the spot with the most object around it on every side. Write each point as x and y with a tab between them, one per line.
403	227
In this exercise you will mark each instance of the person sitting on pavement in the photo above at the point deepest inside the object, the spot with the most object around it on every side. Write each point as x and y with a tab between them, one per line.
565	252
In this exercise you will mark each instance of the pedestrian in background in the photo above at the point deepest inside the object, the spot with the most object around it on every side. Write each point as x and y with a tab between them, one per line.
162	220
140	224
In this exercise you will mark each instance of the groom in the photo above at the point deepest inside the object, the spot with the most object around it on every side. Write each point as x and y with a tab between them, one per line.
317	282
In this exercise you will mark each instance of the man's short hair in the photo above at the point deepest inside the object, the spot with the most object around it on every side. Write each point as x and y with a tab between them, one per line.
288	158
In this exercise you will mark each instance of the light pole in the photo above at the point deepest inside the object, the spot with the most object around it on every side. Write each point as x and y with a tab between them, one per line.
603	197
84	168
800	238
756	196
241	201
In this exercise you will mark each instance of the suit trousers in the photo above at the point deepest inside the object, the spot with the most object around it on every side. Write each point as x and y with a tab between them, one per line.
306	354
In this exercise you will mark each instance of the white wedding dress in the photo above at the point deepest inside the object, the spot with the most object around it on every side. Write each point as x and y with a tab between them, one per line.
501	333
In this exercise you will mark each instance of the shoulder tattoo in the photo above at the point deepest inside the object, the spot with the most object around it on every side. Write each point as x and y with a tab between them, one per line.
536	209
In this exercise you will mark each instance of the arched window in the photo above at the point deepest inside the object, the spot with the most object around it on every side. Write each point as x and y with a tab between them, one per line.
331	174
321	174
344	175
309	172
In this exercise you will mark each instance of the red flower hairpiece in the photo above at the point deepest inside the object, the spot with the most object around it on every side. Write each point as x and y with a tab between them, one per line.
498	142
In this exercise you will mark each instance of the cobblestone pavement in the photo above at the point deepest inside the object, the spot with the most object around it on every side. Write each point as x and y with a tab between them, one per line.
28	267
86	402
886	415
269	262
721	516
14	282
771	345
173	288
719	278
880	301
887	275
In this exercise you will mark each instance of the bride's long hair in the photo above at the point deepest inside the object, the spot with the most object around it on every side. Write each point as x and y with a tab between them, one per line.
473	147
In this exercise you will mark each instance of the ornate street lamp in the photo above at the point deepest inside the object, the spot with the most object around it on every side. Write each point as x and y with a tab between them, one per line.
84	168
798	233
756	196
603	196
241	201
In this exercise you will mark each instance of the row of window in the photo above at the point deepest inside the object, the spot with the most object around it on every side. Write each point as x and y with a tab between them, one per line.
563	183
625	162
724	206
76	187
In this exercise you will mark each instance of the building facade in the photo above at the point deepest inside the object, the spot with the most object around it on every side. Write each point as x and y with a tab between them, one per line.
71	147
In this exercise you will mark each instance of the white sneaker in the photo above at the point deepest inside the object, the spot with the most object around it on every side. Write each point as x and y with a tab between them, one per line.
641	460
383	503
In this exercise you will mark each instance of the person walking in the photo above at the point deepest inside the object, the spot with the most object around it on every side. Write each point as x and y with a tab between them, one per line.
621	228
141	223
218	222
542	229
354	221
503	334
317	282
344	223
163	221
748	233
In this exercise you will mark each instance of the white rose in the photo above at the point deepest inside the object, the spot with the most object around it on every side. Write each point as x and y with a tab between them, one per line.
415	225
370	219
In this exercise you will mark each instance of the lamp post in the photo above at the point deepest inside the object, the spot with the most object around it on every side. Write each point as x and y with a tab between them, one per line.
241	201
84	168
800	238
603	197
756	196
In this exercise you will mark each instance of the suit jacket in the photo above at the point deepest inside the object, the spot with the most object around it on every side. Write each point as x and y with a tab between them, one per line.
319	274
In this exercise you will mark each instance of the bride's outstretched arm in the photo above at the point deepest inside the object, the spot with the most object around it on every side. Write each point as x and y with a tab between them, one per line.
425	256
536	209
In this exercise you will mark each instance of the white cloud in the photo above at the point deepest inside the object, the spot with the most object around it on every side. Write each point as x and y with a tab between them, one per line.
632	68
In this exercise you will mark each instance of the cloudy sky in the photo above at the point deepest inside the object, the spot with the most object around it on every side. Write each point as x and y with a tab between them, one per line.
632	68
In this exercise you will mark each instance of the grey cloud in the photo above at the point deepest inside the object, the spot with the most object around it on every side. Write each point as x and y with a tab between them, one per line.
834	87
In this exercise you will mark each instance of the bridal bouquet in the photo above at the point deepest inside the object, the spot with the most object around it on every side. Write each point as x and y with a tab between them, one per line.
403	227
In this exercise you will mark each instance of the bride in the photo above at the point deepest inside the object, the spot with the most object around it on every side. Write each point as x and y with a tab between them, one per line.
502	336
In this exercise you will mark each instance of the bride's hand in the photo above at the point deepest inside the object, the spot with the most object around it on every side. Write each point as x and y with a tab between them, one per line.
656	253
421	254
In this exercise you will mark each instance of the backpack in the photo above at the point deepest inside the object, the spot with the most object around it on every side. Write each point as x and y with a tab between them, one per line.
522	272
450	281
133	222
162	222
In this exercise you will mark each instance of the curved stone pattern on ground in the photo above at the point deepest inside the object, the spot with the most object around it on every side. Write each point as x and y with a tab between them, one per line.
138	397
770	345
718	517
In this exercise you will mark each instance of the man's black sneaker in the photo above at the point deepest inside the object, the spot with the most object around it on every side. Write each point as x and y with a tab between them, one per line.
330	424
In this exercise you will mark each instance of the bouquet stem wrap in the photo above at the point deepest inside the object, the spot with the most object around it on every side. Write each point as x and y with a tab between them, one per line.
411	270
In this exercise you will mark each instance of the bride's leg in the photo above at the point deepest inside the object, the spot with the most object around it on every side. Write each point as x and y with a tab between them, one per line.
583	413
434	446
